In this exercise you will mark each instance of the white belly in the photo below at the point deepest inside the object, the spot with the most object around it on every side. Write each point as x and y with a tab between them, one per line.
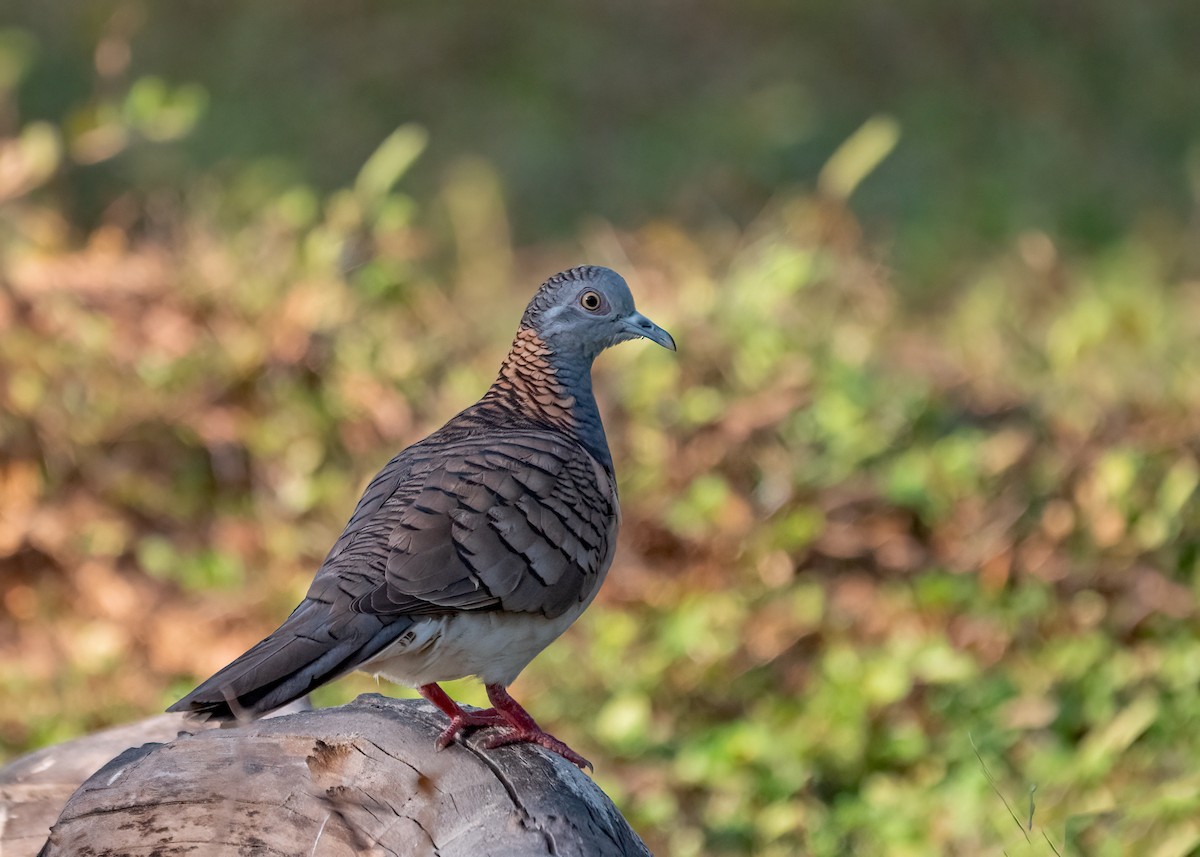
495	646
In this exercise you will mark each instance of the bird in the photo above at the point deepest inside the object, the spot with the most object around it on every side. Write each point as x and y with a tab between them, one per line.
474	548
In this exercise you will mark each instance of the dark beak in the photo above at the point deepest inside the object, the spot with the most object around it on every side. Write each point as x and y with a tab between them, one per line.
639	325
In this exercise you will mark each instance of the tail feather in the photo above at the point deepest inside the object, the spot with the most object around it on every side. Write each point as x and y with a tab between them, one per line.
305	652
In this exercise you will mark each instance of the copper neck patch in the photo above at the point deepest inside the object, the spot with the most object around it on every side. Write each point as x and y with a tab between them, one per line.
529	381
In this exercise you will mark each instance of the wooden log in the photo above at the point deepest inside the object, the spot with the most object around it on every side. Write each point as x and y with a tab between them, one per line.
364	778
35	787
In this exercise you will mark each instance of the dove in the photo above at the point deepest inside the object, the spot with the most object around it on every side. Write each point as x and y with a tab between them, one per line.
474	548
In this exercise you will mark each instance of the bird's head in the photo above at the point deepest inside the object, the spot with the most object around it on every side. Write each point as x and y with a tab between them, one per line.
582	311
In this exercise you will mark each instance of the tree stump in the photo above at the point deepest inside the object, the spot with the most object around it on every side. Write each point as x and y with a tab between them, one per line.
35	788
364	778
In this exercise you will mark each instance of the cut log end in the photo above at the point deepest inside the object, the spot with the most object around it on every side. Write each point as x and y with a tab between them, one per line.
364	778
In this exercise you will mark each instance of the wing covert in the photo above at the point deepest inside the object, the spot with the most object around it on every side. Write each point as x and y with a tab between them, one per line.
520	524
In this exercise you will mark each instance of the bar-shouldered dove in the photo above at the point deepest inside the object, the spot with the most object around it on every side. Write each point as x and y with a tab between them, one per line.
473	549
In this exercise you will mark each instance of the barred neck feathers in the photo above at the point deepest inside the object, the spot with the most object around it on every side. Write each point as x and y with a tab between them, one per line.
546	389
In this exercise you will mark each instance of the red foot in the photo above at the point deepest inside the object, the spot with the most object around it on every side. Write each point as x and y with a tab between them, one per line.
460	719
468	720
525	729
542	739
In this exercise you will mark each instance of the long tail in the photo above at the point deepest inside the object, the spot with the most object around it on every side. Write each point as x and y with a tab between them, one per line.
306	651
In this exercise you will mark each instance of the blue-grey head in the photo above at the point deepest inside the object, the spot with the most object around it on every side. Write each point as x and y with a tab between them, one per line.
580	312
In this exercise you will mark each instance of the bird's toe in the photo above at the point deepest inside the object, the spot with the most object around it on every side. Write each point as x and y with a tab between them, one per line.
466	721
542	739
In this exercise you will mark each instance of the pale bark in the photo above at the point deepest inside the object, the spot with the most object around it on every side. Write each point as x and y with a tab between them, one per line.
364	778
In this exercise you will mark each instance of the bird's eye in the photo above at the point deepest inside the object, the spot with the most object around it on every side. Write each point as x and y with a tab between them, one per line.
590	301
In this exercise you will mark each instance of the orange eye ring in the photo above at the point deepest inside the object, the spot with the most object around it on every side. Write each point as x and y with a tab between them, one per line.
590	301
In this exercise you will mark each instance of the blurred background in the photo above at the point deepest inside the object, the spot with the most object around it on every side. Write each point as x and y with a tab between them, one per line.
911	546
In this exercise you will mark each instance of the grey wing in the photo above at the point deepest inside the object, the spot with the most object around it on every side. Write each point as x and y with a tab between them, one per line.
322	639
381	490
521	523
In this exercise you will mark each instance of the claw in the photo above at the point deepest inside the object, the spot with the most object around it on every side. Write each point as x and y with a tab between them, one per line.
506	711
460	719
542	739
466	720
525	729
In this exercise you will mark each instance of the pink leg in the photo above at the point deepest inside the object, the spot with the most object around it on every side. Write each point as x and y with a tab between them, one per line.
525	729
460	719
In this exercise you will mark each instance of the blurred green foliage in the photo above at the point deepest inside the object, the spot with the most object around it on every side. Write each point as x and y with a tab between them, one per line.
1072	118
910	560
